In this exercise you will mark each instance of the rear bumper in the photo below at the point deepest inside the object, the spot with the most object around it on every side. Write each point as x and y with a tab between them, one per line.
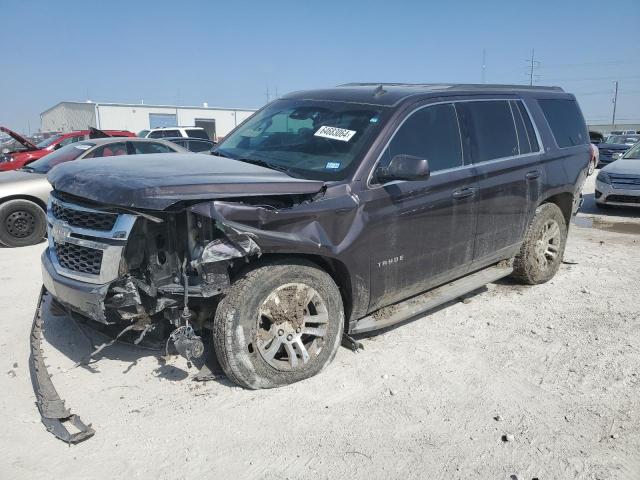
84	298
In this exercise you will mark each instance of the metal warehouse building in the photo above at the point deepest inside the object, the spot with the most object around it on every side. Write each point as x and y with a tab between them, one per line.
67	116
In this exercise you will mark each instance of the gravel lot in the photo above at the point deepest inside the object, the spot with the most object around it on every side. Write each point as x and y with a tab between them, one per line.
552	369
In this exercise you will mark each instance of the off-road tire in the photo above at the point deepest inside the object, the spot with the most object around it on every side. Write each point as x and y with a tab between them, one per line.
235	323
526	268
22	223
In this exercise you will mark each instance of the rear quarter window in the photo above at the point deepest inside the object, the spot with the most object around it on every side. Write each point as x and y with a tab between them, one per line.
566	122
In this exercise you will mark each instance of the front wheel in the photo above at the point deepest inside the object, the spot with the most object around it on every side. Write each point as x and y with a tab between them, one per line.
279	323
543	246
21	223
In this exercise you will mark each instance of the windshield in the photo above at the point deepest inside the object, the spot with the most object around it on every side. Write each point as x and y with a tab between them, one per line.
623	139
633	153
65	154
143	133
45	143
310	139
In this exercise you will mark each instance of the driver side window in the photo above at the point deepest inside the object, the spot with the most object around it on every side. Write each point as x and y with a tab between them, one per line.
430	133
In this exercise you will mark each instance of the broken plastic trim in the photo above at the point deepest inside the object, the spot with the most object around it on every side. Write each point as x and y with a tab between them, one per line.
53	413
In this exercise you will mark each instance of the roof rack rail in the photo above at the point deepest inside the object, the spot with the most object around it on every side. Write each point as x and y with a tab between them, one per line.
470	86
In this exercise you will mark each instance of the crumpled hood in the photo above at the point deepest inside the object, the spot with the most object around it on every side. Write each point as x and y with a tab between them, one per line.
624	167
157	181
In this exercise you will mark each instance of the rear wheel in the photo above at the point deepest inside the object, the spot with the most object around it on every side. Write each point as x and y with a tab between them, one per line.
543	246
21	223
279	323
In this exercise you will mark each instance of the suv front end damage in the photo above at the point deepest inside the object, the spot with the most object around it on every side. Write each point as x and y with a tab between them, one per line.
119	266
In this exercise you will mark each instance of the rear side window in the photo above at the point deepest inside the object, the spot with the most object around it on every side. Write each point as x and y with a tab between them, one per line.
197	133
492	129
141	148
566	122
430	133
171	133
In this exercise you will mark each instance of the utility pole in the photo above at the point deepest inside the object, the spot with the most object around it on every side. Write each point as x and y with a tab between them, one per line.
615	101
484	65
532	66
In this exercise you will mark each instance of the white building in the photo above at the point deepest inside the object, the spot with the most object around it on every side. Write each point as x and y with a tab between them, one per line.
68	116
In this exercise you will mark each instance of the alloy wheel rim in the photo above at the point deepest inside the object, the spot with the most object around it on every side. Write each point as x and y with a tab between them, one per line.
547	247
292	326
20	224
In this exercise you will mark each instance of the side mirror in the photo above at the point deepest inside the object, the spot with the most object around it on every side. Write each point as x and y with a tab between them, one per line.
404	167
57	146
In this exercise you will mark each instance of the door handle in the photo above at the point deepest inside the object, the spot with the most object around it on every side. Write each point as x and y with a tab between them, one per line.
532	175
465	192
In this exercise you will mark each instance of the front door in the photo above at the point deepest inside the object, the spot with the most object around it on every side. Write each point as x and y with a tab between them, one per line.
421	232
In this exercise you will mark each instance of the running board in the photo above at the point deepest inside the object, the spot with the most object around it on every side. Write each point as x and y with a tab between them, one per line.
420	304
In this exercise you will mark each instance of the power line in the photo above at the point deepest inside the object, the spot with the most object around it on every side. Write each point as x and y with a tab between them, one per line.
532	65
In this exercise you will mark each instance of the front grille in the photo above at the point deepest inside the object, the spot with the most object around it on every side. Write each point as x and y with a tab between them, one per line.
623	199
79	259
625	182
84	219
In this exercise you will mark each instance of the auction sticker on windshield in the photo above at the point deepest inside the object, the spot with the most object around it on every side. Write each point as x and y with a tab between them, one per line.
335	133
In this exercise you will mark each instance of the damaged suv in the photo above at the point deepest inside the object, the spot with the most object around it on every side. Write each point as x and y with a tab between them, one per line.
327	213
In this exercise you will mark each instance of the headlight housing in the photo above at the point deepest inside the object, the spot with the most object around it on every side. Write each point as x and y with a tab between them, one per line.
604	178
617	155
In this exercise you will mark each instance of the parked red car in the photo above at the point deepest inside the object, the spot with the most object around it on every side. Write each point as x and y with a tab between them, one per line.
13	160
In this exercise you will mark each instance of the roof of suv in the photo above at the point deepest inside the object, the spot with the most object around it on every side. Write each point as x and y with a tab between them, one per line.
391	94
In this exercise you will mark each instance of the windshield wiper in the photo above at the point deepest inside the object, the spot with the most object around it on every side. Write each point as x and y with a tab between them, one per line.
262	163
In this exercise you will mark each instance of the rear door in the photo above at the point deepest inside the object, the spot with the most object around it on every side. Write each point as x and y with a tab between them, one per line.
506	155
421	232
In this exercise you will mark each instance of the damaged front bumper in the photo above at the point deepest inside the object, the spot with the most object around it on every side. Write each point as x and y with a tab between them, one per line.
84	298
54	415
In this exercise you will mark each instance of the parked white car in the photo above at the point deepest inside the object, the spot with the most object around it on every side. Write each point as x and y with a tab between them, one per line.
167	132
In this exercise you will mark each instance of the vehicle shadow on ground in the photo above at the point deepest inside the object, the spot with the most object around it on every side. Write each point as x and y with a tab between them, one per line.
76	340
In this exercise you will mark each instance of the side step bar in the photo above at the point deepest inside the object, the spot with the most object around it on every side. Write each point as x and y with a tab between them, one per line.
424	302
53	412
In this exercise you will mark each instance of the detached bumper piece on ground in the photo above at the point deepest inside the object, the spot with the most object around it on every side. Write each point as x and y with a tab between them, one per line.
55	416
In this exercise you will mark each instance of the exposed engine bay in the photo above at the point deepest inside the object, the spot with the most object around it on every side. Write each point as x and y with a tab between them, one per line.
171	265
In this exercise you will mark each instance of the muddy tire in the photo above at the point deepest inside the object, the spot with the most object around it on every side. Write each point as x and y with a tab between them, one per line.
279	323
543	247
21	223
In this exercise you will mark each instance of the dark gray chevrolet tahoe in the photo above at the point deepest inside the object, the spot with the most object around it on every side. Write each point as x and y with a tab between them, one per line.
327	213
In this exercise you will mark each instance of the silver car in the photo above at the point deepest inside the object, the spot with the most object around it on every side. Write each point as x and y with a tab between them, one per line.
24	193
619	182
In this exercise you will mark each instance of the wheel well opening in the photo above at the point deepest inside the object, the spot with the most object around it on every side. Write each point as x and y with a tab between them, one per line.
28	198
336	269
564	201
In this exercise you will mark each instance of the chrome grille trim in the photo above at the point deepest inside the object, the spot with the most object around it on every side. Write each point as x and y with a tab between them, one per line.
110	242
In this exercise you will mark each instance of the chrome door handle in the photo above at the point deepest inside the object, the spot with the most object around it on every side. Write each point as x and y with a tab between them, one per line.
464	193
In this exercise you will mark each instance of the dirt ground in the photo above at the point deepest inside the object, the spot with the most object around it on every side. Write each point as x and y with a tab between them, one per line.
555	369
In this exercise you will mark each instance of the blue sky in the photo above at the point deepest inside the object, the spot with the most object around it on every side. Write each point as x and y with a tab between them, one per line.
228	53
